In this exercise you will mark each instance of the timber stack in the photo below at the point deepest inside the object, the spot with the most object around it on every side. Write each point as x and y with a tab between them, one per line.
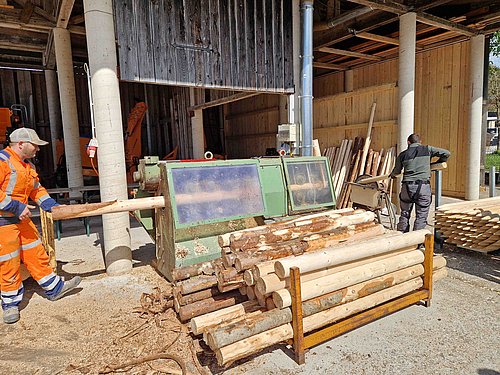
474	225
350	160
338	281
248	254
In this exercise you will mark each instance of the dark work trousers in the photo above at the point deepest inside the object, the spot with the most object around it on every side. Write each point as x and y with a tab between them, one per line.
422	205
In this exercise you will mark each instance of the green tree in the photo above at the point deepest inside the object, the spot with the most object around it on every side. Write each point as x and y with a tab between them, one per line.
494	88
495	44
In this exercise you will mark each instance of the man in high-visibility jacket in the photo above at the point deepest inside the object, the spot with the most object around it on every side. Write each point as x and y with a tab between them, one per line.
19	238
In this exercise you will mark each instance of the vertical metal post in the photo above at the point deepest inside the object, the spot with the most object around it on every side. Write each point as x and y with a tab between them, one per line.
307	76
438	174
492	181
428	267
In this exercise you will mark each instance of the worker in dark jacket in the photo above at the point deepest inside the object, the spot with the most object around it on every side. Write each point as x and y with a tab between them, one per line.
416	188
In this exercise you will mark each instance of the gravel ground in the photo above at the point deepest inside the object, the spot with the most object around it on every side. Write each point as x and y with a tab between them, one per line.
97	326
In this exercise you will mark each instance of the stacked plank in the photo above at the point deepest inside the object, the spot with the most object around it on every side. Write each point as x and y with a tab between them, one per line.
348	163
336	282
474	225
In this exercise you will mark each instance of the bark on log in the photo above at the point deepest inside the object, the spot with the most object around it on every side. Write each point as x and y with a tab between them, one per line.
183	273
197	296
352	276
196	284
323	224
201	323
253	344
209	305
94	209
333	256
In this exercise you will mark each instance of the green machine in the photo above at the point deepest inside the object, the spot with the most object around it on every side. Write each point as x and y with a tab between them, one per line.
204	199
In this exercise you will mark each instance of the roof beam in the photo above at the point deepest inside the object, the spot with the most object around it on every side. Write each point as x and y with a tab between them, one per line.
64	14
26	12
329	66
341	52
340	20
386	6
376	38
428	19
37	10
443	23
9	18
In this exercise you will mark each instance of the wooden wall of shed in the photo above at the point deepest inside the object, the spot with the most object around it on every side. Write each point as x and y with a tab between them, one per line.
441	110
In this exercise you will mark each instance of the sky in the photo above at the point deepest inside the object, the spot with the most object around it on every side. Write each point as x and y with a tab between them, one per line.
496	60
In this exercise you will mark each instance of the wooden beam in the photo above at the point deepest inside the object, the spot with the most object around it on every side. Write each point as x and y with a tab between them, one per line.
443	23
428	19
225	100
329	66
342	52
9	18
49	55
385	5
37	10
377	38
76	20
428	4
26	12
340	20
64	13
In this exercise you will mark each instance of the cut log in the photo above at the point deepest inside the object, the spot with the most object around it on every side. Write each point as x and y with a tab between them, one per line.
249	277
183	273
253	344
339	280
209	305
226	334
271	283
251	293
264	268
334	256
94	209
200	323
196	284
197	296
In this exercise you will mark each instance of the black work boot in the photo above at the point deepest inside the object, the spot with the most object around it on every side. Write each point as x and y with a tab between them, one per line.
67	287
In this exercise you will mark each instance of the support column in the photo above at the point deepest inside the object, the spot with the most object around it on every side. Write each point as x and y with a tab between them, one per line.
348	80
54	107
197	134
69	112
293	99
475	117
109	131
406	82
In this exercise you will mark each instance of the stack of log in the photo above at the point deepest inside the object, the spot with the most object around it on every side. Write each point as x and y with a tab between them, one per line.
474	225
349	161
337	282
231	279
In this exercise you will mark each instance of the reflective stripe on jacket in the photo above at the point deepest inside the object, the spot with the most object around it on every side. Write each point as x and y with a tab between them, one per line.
18	182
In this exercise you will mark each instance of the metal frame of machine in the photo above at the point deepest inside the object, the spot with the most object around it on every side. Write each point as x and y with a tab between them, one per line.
206	199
